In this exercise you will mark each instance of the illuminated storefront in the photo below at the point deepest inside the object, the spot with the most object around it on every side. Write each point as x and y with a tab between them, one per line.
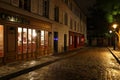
76	40
26	41
23	40
29	41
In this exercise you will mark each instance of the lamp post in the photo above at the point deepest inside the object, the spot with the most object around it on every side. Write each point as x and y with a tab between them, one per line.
114	43
110	38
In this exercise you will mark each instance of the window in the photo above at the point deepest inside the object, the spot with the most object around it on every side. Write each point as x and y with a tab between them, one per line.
34	34
56	13
1	41
44	40
46	8
71	5
29	40
42	37
65	19
71	40
26	40
78	40
25	4
71	23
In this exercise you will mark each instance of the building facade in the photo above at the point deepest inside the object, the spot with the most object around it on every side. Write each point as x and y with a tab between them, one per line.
30	29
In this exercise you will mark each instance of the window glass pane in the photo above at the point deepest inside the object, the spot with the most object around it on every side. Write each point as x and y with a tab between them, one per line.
46	8
70	40
78	40
34	34
42	37
19	40
24	40
29	40
1	41
46	39
56	13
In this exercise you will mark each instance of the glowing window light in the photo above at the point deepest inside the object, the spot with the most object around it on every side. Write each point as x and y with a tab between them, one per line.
24	29
34	33
29	31
12	19
19	29
42	33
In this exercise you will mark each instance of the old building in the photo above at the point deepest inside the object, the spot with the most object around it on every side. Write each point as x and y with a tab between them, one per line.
33	28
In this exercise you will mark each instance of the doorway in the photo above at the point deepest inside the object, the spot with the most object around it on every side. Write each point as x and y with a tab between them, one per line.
55	42
75	41
65	42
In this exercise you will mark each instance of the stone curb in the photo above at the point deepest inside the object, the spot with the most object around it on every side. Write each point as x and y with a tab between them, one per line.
116	57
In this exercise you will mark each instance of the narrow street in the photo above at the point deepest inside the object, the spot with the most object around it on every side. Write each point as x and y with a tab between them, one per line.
88	64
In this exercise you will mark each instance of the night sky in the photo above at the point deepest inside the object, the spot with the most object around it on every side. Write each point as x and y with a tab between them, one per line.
84	4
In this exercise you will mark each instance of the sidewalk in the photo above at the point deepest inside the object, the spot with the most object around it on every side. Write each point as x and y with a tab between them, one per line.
17	68
115	53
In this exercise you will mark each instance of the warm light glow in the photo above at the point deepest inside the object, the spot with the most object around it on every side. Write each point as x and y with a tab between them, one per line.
34	33
24	29
110	31
114	26
1	41
12	19
29	31
42	33
19	29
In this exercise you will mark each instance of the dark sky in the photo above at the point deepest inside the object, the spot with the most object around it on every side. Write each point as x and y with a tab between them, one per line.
84	4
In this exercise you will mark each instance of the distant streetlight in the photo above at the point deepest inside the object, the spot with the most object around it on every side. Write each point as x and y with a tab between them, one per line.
114	27
110	31
110	37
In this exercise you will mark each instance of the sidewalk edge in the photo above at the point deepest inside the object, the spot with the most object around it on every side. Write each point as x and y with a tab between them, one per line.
115	56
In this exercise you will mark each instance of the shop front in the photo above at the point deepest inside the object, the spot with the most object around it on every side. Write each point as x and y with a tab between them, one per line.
76	40
33	43
23	38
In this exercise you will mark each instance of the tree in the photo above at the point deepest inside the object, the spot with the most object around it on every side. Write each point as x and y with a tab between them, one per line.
112	8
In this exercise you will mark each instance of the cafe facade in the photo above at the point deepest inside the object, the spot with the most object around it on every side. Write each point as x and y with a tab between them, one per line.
22	37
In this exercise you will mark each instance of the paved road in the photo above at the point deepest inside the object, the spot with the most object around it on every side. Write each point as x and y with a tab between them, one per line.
87	64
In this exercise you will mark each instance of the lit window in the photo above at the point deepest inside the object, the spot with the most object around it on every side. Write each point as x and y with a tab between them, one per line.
1	41
70	40
42	37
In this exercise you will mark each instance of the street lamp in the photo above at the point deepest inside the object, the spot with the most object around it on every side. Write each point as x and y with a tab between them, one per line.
110	37
110	31
114	27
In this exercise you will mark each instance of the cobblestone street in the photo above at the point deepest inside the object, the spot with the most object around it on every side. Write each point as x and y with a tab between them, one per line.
87	64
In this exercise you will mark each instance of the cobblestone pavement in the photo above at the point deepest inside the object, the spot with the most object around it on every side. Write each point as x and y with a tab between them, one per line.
88	64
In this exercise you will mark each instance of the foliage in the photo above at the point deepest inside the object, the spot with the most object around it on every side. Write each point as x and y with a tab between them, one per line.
112	8
103	14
